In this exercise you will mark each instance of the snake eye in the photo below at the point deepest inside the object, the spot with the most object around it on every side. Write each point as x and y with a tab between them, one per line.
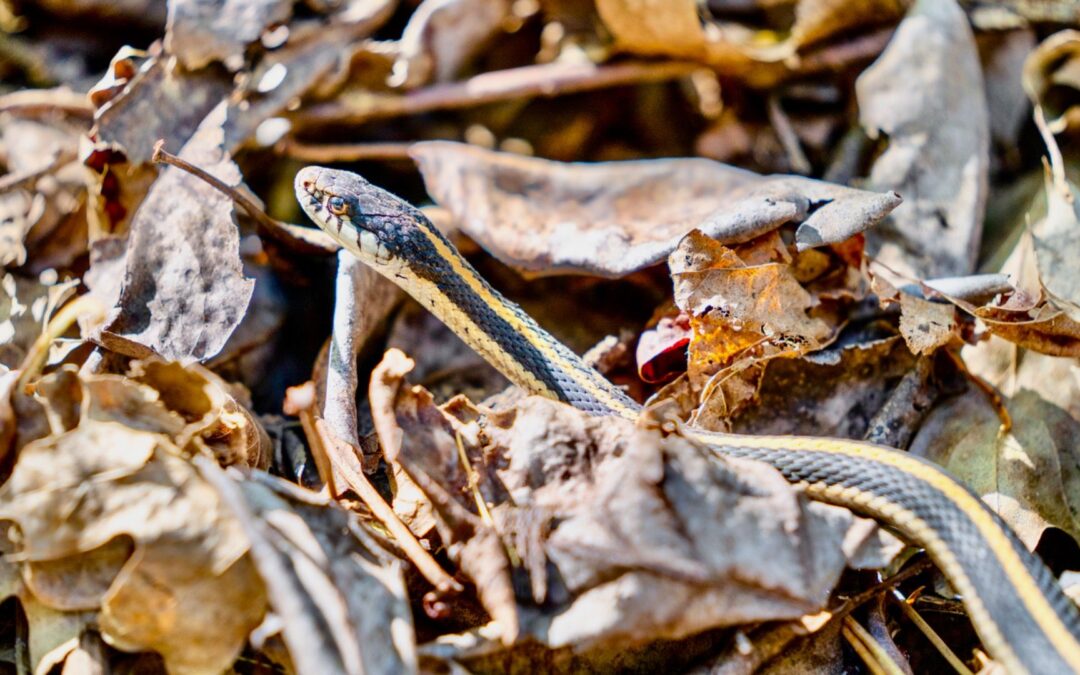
337	206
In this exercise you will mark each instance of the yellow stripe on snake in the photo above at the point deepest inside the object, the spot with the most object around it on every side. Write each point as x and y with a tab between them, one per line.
1020	613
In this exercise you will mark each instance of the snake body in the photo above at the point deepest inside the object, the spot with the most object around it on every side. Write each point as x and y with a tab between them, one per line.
1017	607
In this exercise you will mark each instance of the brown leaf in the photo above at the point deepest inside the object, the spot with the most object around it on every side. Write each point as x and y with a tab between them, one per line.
637	537
925	93
1028	475
339	594
72	493
162	101
610	219
654	27
740	314
184	291
927	325
443	36
200	33
419	438
1050	70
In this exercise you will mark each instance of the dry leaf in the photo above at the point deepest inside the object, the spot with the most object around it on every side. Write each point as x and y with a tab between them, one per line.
740	315
832	392
617	527
654	27
339	594
442	36
25	308
184	291
926	95
610	219
1050	72
199	33
1028	475
187	591
422	441
162	101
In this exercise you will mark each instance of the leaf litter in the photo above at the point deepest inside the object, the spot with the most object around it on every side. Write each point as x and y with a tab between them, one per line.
756	217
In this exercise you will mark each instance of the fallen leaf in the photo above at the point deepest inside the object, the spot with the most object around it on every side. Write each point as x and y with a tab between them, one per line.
1049	73
442	36
925	325
200	33
654	27
25	308
339	593
610	219
357	286
1028	475
616	526
925	94
740	315
832	392
75	492
661	350
184	291
422	441
160	102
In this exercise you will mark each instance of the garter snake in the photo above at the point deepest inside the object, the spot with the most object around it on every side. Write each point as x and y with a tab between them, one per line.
1017	608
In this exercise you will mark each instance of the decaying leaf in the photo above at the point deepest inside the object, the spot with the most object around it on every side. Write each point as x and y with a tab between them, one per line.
925	93
741	314
72	493
338	592
610	219
184	291
924	324
1028	474
201	33
444	35
617	527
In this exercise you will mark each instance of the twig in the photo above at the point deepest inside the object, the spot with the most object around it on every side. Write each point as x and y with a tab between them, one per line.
771	640
358	482
301	239
931	634
46	102
873	654
908	403
343	152
84	305
853	633
788	138
546	79
17	180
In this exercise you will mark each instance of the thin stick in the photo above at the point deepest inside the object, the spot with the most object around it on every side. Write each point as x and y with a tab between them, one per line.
303	240
28	178
427	565
879	659
546	79
343	152
931	634
770	641
862	649
84	305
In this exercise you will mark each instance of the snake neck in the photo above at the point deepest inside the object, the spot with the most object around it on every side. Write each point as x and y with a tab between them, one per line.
500	331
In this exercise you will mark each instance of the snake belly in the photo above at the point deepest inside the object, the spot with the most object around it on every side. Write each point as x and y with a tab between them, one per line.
1017	607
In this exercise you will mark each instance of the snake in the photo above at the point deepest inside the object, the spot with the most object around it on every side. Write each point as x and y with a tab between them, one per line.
1019	611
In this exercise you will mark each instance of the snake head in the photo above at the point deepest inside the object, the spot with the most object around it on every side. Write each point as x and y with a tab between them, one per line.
373	224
